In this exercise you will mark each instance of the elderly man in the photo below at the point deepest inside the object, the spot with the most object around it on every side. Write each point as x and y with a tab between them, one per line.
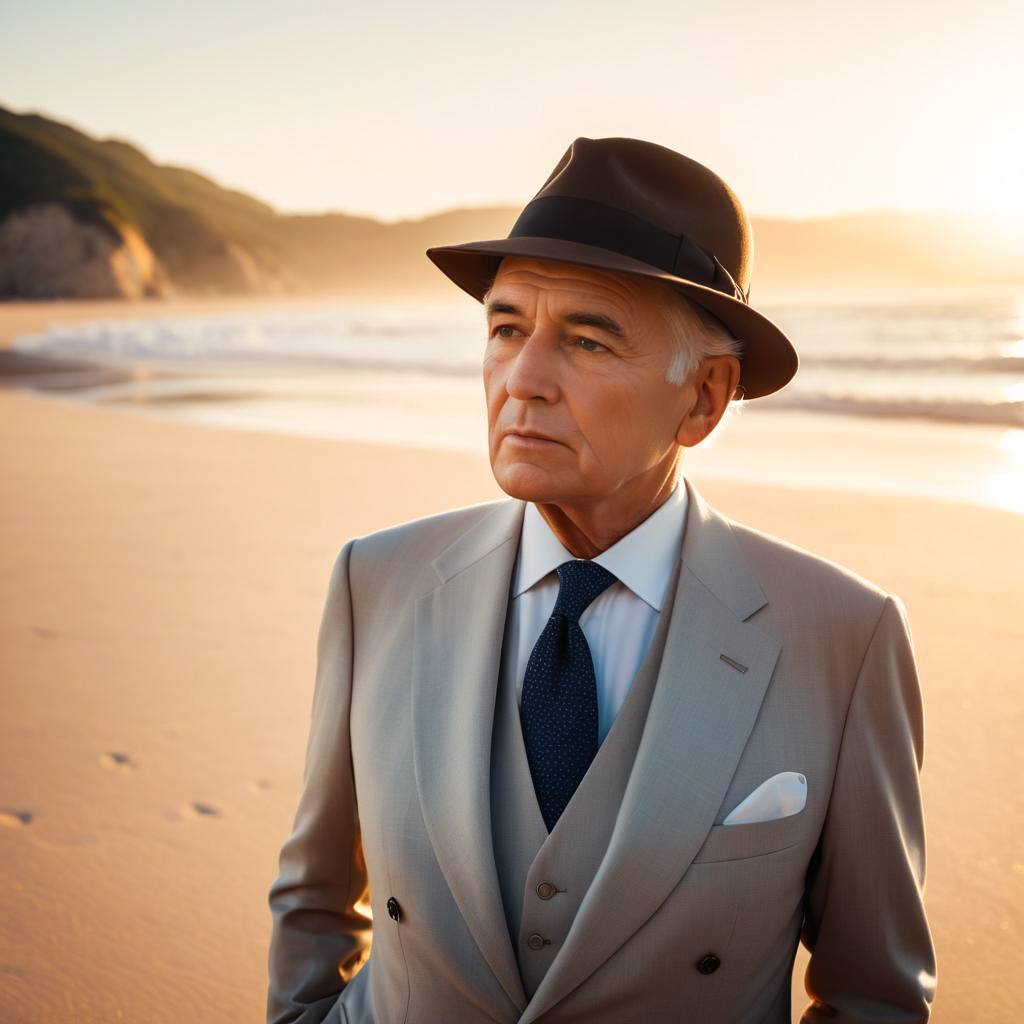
594	752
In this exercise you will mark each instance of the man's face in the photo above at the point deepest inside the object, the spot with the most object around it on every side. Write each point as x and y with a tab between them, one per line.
577	355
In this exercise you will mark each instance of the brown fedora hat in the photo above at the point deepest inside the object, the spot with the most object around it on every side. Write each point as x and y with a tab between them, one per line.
638	208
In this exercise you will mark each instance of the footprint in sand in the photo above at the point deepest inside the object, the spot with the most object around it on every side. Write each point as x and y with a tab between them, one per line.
198	809
45	631
260	785
15	819
116	760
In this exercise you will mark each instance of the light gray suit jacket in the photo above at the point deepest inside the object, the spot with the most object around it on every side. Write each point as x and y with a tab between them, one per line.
775	660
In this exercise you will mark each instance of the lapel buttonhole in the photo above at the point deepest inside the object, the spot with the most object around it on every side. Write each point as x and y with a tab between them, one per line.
734	664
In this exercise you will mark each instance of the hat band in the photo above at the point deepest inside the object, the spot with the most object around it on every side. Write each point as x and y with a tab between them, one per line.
592	223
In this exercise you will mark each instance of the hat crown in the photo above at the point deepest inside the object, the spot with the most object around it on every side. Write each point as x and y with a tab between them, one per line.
665	188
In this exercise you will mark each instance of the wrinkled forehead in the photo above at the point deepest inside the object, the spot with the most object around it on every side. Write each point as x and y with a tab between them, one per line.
562	285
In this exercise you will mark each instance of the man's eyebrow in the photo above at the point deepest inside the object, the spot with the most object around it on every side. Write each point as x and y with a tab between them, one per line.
601	321
497	306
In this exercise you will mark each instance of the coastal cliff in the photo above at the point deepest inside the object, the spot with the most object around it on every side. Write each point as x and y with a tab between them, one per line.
46	253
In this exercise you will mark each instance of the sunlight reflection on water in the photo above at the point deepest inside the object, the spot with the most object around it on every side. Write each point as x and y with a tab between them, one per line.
1006	489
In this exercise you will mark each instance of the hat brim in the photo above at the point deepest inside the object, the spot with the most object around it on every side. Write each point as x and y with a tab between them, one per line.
768	362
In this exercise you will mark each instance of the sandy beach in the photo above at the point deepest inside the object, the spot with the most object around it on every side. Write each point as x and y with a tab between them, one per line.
162	588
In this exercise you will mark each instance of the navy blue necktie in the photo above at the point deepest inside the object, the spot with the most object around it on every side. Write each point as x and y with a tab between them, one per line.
558	707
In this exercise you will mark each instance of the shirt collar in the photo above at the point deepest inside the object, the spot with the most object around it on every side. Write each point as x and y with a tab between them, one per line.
643	559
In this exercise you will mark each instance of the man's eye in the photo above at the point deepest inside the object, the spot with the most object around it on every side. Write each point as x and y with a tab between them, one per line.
589	345
499	331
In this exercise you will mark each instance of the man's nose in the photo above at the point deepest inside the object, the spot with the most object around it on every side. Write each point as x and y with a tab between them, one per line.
534	372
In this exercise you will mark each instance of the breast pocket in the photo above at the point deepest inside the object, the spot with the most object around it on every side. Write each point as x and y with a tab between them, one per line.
739	842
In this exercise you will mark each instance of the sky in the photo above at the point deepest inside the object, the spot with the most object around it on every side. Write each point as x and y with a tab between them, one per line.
401	109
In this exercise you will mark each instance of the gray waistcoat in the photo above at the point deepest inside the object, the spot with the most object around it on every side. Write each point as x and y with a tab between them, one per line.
543	878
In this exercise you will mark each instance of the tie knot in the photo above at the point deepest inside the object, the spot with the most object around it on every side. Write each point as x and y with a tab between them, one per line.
580	582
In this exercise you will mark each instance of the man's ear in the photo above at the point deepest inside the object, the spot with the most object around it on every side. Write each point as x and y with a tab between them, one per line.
714	383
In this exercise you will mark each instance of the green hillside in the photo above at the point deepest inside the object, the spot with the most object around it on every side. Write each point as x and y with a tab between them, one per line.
185	217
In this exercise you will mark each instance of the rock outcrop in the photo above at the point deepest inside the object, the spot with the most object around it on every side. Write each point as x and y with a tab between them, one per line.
45	252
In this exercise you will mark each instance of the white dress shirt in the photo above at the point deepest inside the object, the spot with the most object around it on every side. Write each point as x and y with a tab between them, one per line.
620	622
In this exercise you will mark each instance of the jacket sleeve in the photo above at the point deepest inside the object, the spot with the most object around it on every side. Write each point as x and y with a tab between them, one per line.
872	958
321	925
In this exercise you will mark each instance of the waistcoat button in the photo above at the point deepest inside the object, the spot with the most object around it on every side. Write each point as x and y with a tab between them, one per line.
536	941
394	910
545	890
708	963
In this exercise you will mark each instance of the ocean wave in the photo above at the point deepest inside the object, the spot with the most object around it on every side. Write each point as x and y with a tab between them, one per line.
1013	365
1007	414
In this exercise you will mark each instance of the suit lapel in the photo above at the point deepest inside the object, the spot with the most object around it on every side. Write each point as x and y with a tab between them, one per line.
458	639
701	715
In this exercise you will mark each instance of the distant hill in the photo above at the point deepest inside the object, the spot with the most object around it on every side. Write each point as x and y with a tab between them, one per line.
83	217
886	252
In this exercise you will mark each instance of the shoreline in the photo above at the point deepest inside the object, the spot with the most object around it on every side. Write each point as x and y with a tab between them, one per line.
963	462
977	465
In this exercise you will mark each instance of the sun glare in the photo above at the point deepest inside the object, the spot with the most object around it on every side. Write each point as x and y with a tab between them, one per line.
1018	327
1006	489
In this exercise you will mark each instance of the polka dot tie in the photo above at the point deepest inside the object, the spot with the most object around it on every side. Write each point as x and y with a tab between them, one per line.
558	707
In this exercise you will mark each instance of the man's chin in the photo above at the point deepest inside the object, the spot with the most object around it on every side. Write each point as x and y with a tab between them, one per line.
530	483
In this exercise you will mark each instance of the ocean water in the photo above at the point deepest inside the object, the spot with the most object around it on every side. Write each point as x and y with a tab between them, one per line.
956	361
944	378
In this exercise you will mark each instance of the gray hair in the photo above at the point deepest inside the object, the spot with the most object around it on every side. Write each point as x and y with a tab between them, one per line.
695	333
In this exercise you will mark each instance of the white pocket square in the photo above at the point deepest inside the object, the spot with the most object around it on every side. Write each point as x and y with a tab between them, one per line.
778	797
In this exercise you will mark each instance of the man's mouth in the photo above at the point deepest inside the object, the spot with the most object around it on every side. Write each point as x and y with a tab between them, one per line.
532	438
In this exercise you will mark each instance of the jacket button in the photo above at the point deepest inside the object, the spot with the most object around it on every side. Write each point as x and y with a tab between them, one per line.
545	890
708	963
394	910
536	941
